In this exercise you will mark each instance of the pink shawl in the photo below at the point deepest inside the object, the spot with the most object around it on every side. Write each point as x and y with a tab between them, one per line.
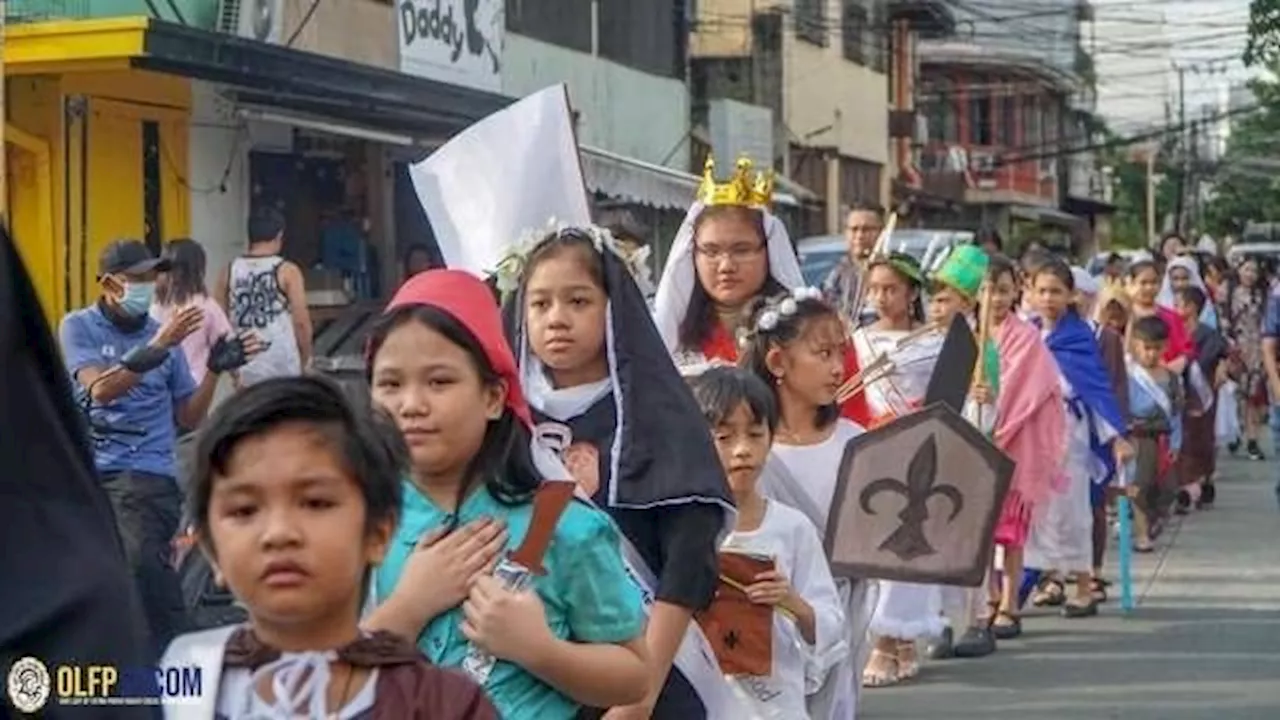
1031	425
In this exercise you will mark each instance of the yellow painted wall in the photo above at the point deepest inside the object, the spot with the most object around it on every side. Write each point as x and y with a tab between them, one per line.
102	184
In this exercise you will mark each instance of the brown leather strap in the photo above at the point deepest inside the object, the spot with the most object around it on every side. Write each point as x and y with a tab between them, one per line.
549	503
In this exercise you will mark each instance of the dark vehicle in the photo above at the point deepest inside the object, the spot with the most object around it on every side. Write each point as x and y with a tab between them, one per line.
1267	253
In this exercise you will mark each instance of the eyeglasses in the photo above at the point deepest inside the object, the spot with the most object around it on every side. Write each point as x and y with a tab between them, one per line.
737	254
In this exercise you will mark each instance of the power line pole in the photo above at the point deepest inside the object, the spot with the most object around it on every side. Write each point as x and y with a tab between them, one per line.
1182	148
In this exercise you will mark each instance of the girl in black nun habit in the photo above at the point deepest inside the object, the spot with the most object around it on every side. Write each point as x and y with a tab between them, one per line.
603	387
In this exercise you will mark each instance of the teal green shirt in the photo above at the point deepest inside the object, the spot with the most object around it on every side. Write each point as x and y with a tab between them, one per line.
588	595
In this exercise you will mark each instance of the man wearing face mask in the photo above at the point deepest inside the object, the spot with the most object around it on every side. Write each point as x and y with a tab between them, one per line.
134	374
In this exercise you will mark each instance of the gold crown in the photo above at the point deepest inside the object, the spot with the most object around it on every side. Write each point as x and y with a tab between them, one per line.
739	190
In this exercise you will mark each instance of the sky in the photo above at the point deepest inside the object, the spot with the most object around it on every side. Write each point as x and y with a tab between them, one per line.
1137	43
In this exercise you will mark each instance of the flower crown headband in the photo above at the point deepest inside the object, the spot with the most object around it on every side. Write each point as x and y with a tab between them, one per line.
774	311
512	266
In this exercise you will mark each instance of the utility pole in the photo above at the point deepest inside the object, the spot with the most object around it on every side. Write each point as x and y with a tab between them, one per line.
1193	209
1182	148
1151	194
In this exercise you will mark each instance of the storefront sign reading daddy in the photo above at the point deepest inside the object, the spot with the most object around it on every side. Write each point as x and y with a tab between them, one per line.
453	41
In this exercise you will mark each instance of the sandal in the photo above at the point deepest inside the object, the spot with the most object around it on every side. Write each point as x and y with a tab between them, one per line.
1005	625
881	670
1098	589
1143	547
993	609
1049	593
908	662
1075	608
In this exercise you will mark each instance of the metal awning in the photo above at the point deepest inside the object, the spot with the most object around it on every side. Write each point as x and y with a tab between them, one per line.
1045	215
643	183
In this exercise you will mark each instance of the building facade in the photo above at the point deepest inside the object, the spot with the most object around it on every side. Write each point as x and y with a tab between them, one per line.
125	124
820	67
1008	105
625	65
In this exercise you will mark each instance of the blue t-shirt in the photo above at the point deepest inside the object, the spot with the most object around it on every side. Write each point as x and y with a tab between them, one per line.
587	593
1271	321
89	339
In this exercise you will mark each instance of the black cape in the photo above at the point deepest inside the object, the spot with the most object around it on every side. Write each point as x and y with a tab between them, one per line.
66	593
662	452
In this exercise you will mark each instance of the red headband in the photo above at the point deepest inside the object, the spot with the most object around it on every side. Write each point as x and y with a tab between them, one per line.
469	300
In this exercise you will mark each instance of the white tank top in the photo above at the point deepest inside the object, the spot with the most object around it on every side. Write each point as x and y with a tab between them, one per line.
258	304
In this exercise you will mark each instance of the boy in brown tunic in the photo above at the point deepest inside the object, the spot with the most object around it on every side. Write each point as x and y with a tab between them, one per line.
294	498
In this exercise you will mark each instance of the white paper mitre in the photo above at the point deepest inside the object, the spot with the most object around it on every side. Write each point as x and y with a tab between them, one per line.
513	172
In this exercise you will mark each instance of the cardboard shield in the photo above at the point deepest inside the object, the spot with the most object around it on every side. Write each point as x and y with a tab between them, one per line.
917	500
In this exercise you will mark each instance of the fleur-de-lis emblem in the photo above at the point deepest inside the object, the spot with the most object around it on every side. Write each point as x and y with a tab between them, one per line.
731	639
908	542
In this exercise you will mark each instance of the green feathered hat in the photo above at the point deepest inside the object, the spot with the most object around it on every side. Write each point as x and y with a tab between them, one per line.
963	270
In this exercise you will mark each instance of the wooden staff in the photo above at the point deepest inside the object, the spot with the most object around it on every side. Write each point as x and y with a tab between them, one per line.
984	333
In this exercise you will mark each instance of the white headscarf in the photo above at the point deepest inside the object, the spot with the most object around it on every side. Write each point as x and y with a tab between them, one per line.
1085	283
675	288
1209	314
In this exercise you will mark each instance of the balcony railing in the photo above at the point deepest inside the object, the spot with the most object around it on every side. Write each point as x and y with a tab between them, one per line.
982	169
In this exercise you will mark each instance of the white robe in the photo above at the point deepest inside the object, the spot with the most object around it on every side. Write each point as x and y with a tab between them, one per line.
799	668
903	610
804	477
1061	537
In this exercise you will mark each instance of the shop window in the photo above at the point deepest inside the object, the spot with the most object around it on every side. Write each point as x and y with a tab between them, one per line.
859	181
853	32
811	21
566	23
153	223
939	110
980	119
1007	136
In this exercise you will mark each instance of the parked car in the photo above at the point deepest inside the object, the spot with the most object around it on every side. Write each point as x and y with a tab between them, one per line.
1267	253
819	253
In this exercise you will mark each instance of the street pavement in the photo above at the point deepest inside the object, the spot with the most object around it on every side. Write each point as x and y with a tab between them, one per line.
1203	642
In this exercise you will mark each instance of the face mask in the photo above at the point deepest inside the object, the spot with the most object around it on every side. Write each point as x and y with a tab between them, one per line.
137	298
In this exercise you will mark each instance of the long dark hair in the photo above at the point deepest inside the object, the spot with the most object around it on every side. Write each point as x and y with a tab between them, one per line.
893	261
563	242
700	319
504	462
184	280
366	440
998	265
1062	271
755	349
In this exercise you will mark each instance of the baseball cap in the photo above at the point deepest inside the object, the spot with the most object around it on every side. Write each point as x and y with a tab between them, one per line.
129	257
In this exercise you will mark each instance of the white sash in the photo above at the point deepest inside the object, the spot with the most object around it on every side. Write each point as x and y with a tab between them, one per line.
1152	387
1197	381
205	650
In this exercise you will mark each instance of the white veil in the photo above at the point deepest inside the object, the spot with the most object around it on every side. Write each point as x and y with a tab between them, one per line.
1209	314
675	288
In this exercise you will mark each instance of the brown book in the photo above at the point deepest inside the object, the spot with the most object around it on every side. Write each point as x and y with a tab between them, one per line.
739	630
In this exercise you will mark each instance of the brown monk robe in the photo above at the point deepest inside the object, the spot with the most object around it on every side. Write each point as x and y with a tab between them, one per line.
1111	344
1198	459
408	687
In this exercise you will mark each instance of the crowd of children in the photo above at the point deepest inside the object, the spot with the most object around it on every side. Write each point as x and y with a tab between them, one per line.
374	540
